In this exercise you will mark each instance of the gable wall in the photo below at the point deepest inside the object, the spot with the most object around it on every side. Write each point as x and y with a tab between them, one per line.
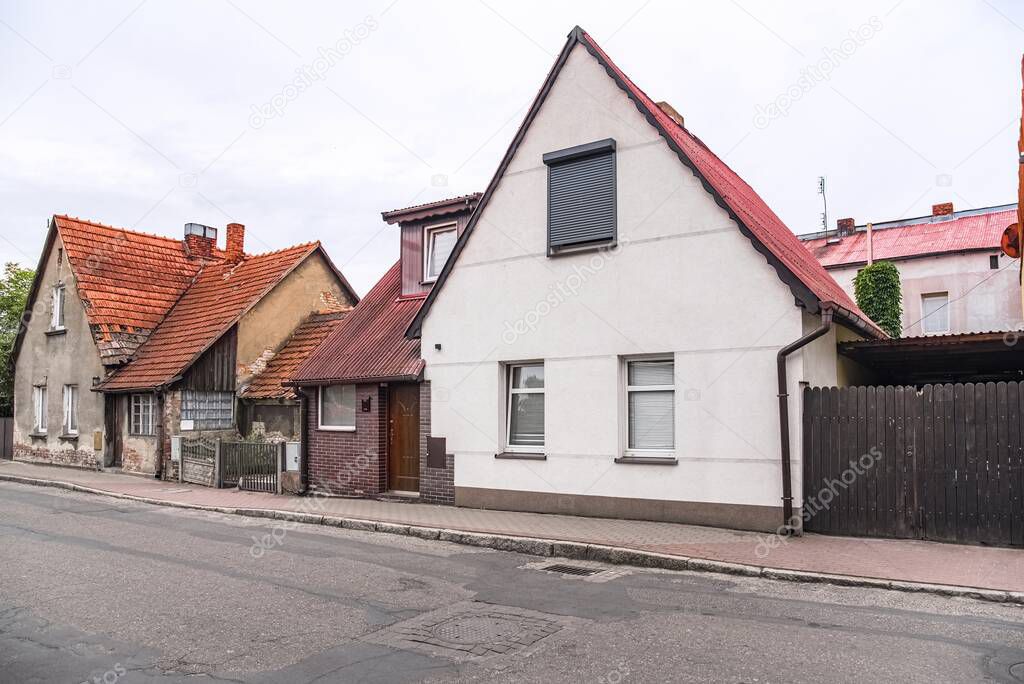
684	282
56	360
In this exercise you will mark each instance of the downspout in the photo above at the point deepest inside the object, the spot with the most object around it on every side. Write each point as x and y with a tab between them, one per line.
780	362
303	439
159	435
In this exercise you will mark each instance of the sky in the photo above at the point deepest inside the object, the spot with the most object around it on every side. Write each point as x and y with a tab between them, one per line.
304	121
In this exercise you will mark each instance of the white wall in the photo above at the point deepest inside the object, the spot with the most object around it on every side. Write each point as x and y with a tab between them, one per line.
982	299
685	282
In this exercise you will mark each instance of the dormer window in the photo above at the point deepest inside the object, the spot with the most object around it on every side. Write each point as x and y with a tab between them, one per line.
438	243
57	308
581	197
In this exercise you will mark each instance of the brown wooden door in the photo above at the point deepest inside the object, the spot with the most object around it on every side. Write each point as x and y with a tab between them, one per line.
114	409
404	438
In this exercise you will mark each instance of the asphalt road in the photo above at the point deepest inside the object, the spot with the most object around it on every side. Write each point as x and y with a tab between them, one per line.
99	589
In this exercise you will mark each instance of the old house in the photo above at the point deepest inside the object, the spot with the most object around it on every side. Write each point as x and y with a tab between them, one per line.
367	407
617	322
953	275
133	338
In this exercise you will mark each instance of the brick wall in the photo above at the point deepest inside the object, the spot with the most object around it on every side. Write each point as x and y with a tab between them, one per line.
71	455
350	463
437	485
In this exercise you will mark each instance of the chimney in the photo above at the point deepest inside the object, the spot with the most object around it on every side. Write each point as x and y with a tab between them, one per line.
845	226
200	240
671	111
944	209
234	249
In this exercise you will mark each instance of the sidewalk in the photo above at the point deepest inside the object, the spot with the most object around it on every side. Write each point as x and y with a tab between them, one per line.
891	561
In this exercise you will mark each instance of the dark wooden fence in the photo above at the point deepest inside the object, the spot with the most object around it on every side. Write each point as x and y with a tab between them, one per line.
7	437
945	462
252	466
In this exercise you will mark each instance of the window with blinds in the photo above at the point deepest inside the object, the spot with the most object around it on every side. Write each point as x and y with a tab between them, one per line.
581	196
651	403
525	407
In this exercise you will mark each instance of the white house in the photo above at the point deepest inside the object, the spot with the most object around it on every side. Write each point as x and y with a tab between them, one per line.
603	340
953	275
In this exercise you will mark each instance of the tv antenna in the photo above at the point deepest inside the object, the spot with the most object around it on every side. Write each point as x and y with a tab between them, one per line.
824	203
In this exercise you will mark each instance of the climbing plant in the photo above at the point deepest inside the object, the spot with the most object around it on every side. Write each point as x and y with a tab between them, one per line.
877	289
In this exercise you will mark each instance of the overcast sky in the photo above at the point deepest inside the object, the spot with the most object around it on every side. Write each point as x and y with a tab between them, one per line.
149	115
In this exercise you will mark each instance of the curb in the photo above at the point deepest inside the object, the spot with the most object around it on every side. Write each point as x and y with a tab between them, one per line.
560	549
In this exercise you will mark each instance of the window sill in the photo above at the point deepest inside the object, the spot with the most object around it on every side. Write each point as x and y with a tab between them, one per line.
582	249
68	437
37	435
328	428
55	332
521	456
647	460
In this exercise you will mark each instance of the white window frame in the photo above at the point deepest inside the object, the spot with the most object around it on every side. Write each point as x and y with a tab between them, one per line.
147	409
58	296
428	246
944	309
320	410
39	408
70	397
627	389
509	392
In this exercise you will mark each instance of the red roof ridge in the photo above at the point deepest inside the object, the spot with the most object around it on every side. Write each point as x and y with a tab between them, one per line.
302	245
131	231
435	203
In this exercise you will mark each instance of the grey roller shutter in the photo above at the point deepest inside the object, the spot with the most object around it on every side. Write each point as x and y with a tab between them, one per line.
581	195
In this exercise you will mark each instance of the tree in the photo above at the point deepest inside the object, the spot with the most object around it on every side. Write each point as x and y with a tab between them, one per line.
877	289
14	286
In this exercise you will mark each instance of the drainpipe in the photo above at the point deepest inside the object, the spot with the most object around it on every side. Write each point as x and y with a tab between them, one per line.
160	433
780	361
303	439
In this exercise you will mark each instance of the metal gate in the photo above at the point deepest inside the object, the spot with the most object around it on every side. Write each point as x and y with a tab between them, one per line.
253	466
945	462
199	461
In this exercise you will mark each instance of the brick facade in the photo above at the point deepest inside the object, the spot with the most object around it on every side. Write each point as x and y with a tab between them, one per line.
350	463
437	485
72	455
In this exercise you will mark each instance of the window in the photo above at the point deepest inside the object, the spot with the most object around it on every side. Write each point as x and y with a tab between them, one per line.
935	312
526	407
57	308
581	196
438	243
140	414
651	403
39	406
70	426
993	262
338	407
207	410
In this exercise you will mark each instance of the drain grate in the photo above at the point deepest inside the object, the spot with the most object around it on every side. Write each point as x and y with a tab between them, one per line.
566	569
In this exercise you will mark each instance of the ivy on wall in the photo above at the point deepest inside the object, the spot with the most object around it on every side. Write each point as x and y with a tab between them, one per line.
877	290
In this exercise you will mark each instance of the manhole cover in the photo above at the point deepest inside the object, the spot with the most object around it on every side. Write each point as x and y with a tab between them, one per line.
478	629
1017	671
566	569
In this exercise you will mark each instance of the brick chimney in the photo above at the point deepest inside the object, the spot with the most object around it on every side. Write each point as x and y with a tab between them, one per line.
845	226
944	209
234	250
671	111
200	241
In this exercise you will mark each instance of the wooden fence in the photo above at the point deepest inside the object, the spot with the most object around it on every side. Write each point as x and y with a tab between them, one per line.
945	462
252	466
7	437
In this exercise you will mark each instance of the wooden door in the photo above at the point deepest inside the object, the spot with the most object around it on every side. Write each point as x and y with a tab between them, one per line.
114	408
404	438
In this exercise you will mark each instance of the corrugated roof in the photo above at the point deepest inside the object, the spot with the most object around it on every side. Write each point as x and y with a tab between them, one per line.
784	251
305	339
370	344
222	292
964	231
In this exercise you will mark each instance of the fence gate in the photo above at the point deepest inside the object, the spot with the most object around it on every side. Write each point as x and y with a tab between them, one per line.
945	462
198	461
253	466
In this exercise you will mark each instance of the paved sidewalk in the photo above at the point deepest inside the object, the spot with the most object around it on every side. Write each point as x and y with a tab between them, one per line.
894	560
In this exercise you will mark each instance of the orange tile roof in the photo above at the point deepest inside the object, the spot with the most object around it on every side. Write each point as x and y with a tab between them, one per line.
313	331
221	293
128	281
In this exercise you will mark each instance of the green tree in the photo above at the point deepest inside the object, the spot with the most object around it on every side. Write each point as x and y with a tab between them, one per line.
877	289
14	286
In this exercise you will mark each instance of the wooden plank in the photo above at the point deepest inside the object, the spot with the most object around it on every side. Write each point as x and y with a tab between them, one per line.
926	463
903	530
841	507
1015	464
915	430
889	462
834	524
973	452
949	465
999	513
863	506
871	476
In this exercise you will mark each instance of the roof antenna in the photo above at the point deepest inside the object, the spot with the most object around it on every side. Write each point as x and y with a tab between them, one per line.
824	203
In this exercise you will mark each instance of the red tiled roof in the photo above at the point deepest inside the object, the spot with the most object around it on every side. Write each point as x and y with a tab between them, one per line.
222	292
370	344
128	281
917	237
313	331
767	228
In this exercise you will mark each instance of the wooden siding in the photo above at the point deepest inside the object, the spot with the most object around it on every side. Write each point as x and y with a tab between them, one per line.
412	250
214	371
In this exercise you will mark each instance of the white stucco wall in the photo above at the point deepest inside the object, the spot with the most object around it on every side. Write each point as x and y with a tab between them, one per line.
982	299
685	282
